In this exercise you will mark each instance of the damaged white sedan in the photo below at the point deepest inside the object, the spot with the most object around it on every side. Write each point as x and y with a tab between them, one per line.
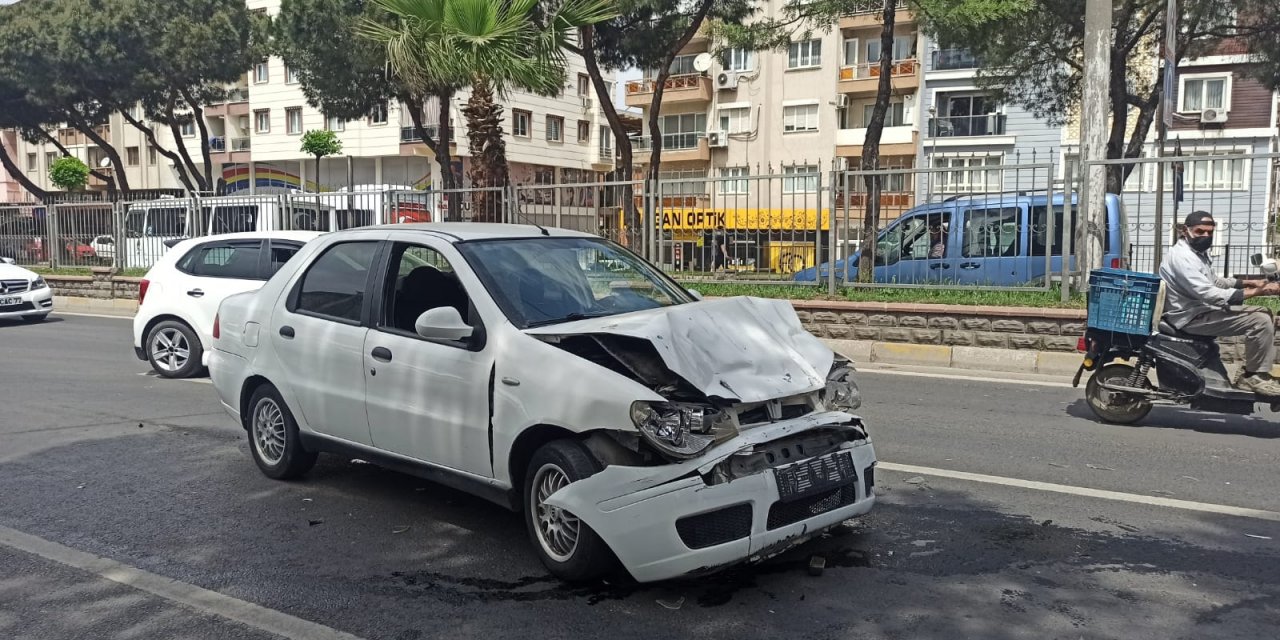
561	376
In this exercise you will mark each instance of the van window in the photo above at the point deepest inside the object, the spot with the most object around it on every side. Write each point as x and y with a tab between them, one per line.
235	219
992	233
1040	227
917	238
169	222
307	219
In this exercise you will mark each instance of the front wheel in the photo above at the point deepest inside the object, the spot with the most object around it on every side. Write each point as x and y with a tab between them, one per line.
1112	406
564	543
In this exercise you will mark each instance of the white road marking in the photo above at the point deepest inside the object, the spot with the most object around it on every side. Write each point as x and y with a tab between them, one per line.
1187	505
91	315
965	378
188	595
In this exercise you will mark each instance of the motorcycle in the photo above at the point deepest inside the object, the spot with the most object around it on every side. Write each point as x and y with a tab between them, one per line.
1189	371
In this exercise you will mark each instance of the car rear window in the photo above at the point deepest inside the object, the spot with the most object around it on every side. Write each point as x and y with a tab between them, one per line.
226	259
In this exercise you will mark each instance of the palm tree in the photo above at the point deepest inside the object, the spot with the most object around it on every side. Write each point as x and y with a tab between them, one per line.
493	46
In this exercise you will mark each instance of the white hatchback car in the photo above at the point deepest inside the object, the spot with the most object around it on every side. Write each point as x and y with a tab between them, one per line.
559	375
179	297
23	293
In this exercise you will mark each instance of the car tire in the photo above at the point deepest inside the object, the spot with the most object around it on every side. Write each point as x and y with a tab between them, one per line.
35	319
568	547
273	436
174	350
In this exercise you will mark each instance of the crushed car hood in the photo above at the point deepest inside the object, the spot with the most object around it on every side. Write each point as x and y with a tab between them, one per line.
736	349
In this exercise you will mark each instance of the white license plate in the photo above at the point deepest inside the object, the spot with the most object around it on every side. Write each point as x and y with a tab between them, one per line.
9	302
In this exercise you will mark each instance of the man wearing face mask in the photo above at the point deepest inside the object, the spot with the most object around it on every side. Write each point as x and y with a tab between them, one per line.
1201	303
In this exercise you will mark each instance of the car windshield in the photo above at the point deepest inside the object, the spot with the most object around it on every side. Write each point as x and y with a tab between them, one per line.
543	281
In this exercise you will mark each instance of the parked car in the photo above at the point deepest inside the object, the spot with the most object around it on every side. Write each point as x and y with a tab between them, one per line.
23	293
556	374
179	296
993	240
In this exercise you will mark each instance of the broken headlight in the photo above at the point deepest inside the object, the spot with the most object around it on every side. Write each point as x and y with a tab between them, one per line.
842	392
678	430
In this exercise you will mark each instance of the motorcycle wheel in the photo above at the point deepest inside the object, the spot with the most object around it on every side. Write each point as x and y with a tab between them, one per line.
1113	407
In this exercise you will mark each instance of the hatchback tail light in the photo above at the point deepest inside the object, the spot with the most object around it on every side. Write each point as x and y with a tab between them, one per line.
1082	345
142	291
217	328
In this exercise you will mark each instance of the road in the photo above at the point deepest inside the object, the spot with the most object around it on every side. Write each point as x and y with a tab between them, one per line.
131	509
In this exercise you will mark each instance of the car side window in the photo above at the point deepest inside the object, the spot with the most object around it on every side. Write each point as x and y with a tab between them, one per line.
281	253
227	259
334	285
419	279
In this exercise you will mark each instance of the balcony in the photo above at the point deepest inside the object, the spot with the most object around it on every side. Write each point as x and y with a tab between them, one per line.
677	147
870	13
864	79
954	60
894	141
235	104
683	89
218	144
240	144
604	157
991	124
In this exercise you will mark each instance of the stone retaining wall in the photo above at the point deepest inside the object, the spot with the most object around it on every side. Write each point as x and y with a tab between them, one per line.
101	285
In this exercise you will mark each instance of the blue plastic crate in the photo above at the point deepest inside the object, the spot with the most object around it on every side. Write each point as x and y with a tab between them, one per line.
1123	301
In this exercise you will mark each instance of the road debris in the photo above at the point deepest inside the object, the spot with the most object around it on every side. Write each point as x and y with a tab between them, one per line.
672	605
816	565
924	554
401	529
1059	465
312	523
1098	467
1191	478
914	480
1250	535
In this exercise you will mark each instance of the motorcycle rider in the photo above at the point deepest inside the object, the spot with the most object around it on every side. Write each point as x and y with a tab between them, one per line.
1200	303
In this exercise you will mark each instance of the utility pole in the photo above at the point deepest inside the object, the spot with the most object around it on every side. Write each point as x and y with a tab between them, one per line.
1093	127
1166	110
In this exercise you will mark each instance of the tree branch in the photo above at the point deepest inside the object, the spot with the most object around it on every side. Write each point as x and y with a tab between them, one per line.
664	72
197	113
154	141
16	173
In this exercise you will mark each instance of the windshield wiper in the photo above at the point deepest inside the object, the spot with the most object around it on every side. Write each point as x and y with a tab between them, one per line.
573	317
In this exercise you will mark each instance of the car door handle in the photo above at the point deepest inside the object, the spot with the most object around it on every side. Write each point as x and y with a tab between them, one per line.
969	265
195	293
381	354
287	331
939	265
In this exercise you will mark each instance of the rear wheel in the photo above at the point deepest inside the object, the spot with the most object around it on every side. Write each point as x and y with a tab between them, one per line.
273	436
565	544
1114	406
174	350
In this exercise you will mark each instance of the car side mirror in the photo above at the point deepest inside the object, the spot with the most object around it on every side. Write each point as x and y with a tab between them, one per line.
697	295
442	323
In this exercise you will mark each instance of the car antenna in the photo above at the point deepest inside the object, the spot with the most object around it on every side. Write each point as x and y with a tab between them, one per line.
522	216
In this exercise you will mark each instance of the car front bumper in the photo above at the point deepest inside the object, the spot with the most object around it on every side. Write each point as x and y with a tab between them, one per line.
666	521
33	303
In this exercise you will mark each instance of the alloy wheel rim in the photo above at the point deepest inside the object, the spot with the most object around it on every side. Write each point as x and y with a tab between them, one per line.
170	350
557	529
269	431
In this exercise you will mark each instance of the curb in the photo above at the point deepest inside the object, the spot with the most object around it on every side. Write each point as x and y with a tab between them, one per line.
123	307
965	358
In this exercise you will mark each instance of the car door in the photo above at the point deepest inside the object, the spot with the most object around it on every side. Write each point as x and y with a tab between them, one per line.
209	273
426	399
993	247
319	338
894	263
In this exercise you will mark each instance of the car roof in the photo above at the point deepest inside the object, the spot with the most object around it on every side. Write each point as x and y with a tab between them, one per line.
300	236
468	231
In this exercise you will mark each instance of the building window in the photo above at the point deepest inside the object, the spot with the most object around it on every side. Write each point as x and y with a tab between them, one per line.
262	121
1204	92
904	48
967	174
153	158
290	75
33	162
684	182
379	114
735	120
683	131
738	59
584	131
1211	175
895	117
188	129
555	129
800	118
50	158
584	85
800	179
334	123
734	187
520	123
261	73
132	157
682	65
606	142
805	54
293	120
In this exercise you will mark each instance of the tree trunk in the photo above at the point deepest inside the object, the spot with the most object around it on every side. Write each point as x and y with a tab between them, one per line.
871	147
625	161
154	141
17	174
655	103
488	149
440	147
197	113
1119	98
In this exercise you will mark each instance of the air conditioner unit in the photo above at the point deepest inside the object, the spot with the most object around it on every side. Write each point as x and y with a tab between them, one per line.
727	80
587	102
717	139
842	101
1213	116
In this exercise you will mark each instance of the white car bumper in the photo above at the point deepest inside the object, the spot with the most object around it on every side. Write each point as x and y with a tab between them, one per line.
227	372
670	520
28	303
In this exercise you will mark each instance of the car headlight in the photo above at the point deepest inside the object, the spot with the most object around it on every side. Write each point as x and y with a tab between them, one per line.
678	430
842	392
38	283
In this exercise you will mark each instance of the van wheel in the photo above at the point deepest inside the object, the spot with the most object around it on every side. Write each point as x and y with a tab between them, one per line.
273	437
1111	406
174	350
568	547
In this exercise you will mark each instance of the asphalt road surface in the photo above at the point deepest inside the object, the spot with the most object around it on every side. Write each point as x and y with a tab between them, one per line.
129	508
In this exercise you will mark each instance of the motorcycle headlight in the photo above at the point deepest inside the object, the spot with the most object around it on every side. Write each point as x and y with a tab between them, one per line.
38	283
678	430
842	392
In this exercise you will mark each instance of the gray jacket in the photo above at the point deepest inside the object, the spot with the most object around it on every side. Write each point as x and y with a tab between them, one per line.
1192	288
